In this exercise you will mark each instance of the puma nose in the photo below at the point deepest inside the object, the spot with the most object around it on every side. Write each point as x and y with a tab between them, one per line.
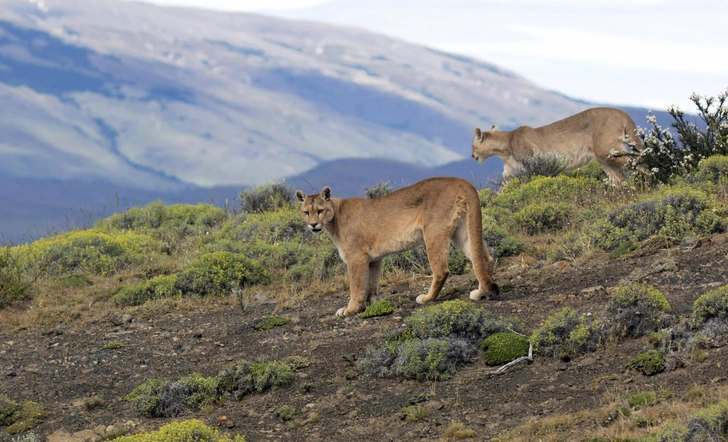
313	225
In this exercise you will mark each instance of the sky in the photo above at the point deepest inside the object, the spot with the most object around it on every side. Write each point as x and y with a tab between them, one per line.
647	53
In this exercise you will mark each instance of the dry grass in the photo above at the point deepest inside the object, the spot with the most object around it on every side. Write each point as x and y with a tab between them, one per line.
609	422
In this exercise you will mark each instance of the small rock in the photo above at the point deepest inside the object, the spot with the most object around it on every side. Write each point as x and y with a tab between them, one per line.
689	243
100	430
117	318
719	240
400	287
84	436
560	264
110	429
538	266
562	367
263	299
627	381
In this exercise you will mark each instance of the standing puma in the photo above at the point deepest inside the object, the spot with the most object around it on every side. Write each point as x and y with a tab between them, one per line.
431	212
591	134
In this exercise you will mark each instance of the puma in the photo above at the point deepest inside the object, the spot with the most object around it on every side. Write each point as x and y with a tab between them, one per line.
431	212
591	134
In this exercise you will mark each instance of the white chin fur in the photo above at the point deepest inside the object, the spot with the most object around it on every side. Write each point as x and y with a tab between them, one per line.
481	160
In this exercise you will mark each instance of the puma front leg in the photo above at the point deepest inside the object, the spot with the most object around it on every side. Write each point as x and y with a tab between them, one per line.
358	278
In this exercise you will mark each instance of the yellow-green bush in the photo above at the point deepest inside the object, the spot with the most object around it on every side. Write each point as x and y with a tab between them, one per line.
155	288
184	431
544	217
674	213
87	251
567	334
156	216
711	304
637	310
14	284
216	274
242	377
20	417
713	169
579	191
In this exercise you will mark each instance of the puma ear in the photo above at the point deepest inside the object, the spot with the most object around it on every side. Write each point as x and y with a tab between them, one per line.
326	193
300	196
477	132
494	128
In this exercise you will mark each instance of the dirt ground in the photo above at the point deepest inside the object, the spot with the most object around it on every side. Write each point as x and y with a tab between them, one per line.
65	369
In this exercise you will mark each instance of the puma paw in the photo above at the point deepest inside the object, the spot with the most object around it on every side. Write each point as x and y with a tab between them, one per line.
476	294
341	313
422	299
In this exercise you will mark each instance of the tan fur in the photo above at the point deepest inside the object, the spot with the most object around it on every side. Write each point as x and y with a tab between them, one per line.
591	134
431	212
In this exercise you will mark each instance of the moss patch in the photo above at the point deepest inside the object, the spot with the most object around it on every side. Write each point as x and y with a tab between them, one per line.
191	430
27	416
648	399
269	322
113	346
379	308
648	363
504	347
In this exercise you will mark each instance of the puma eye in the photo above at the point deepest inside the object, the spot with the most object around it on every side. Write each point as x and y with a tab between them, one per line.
305	212
320	211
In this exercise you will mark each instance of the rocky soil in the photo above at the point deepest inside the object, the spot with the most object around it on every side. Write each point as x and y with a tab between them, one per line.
82	386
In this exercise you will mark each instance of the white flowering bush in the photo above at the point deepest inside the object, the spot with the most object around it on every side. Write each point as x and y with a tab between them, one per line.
662	154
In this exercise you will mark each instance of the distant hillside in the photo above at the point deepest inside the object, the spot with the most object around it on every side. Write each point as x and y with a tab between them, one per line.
349	177
161	98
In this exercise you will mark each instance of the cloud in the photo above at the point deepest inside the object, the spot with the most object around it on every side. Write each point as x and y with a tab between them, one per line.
241	5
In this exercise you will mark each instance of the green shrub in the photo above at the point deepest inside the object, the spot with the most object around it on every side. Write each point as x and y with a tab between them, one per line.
711	304
241	378
648	399
184	431
453	318
155	288
713	169
378	190
504	347
266	197
637	310
155	216
379	308
578	191
710	424
592	170
649	363
26	416
543	217
268	322
566	334
87	251
201	391
285	413
8	407
14	285
677	213
624	248
548	164
215	274
146	397
424	360
437	340
663	157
